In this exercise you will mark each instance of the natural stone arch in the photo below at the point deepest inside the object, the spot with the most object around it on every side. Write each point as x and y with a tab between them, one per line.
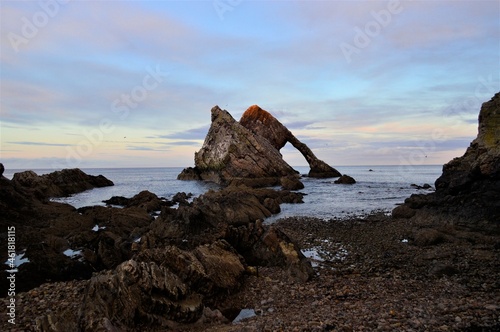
264	124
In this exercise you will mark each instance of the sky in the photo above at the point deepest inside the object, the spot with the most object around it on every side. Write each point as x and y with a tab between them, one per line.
131	83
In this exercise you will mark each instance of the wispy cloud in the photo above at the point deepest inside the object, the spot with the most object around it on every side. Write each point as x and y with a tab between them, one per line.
185	143
197	133
66	79
145	148
39	143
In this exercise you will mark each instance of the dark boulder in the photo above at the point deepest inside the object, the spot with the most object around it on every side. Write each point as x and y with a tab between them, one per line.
146	200
117	200
403	212
291	183
182	198
418	187
345	179
275	248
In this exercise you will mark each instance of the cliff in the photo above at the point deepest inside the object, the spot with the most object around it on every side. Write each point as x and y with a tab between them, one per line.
468	191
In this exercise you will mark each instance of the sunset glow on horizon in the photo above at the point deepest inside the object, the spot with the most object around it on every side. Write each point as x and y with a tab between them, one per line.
131	83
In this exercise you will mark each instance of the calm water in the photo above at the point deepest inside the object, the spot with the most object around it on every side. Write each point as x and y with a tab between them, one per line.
379	189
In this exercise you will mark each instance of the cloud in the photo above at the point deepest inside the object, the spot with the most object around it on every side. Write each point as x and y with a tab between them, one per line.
145	148
185	143
300	125
39	143
400	86
428	24
197	133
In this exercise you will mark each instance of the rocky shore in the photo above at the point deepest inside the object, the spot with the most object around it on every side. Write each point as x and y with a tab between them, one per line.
375	274
379	274
433	265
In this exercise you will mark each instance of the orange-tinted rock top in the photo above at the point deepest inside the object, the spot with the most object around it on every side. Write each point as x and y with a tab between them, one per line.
254	112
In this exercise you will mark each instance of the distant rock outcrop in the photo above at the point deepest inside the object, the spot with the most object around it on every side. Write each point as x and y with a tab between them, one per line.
59	183
468	191
247	152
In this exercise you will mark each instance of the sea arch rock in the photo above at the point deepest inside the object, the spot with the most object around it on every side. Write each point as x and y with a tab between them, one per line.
247	152
264	124
233	153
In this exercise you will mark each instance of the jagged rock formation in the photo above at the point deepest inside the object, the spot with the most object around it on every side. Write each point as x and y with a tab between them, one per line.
45	229
247	152
189	256
160	288
468	191
146	273
232	152
264	124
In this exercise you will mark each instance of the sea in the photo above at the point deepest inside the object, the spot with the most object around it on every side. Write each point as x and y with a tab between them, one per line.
377	188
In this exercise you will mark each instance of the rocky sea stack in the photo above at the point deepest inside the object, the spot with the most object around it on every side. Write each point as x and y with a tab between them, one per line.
248	151
468	191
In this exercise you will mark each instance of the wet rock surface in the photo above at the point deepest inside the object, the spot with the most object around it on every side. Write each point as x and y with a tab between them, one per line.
44	230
